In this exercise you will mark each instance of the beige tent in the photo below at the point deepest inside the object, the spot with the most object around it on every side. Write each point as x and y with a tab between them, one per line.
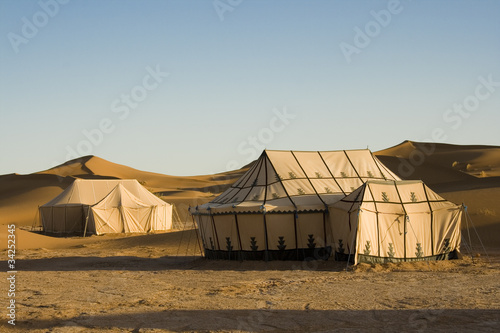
105	206
392	221
277	209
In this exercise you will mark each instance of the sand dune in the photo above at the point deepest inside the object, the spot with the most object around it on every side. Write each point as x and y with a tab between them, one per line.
20	195
474	160
466	174
159	282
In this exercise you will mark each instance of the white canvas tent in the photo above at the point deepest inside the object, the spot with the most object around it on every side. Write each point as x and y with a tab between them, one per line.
392	221
278	208
105	206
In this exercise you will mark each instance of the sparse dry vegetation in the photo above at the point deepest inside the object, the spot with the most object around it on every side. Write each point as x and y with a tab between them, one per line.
487	212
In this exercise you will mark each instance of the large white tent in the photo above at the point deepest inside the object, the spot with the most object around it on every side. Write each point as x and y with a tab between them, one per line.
105	206
392	221
278	208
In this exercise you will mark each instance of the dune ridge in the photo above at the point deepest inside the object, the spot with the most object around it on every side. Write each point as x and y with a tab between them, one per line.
159	282
442	168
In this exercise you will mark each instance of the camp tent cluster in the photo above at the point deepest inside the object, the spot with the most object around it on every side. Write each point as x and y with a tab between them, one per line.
105	206
295	205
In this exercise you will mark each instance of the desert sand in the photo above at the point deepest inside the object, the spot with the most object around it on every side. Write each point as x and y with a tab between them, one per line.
160	282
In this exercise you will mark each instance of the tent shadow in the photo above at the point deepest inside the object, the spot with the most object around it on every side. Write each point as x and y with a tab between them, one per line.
132	263
417	320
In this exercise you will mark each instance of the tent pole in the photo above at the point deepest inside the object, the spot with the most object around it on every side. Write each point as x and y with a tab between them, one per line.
405	218
197	236
432	218
404	236
266	257
477	234
239	236
86	222
378	234
215	231
468	233
36	219
296	237
324	234
353	239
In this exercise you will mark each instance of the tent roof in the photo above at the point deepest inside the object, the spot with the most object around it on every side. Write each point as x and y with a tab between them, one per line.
390	196
90	192
121	197
284	181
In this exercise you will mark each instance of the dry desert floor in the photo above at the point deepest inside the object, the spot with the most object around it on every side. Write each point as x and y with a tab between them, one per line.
159	283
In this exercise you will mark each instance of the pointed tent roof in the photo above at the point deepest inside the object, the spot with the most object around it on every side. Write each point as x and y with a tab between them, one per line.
91	191
394	197
121	197
287	181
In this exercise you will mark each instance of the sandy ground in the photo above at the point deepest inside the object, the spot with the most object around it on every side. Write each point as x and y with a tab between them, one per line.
160	282
164	286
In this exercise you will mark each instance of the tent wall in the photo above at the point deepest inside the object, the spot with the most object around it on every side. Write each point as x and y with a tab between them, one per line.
395	221
278	208
105	206
65	219
265	236
123	219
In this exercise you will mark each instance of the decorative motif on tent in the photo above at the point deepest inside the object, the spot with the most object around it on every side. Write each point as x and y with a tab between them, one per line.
352	189
391	252
341	249
281	243
255	197
300	191
413	197
292	175
367	248
446	245
419	252
254	182
385	197
229	247
310	242
278	177
236	199
318	174
212	243
253	244
275	195
328	190
370	174
343	174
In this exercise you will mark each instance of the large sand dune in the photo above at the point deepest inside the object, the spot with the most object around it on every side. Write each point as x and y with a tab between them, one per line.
159	282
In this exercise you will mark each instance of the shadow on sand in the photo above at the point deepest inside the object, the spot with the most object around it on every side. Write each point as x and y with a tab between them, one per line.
449	320
132	263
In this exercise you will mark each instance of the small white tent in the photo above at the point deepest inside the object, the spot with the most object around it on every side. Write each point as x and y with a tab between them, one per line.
392	221
105	206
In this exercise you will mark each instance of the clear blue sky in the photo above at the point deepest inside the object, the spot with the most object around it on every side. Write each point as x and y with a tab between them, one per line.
348	80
